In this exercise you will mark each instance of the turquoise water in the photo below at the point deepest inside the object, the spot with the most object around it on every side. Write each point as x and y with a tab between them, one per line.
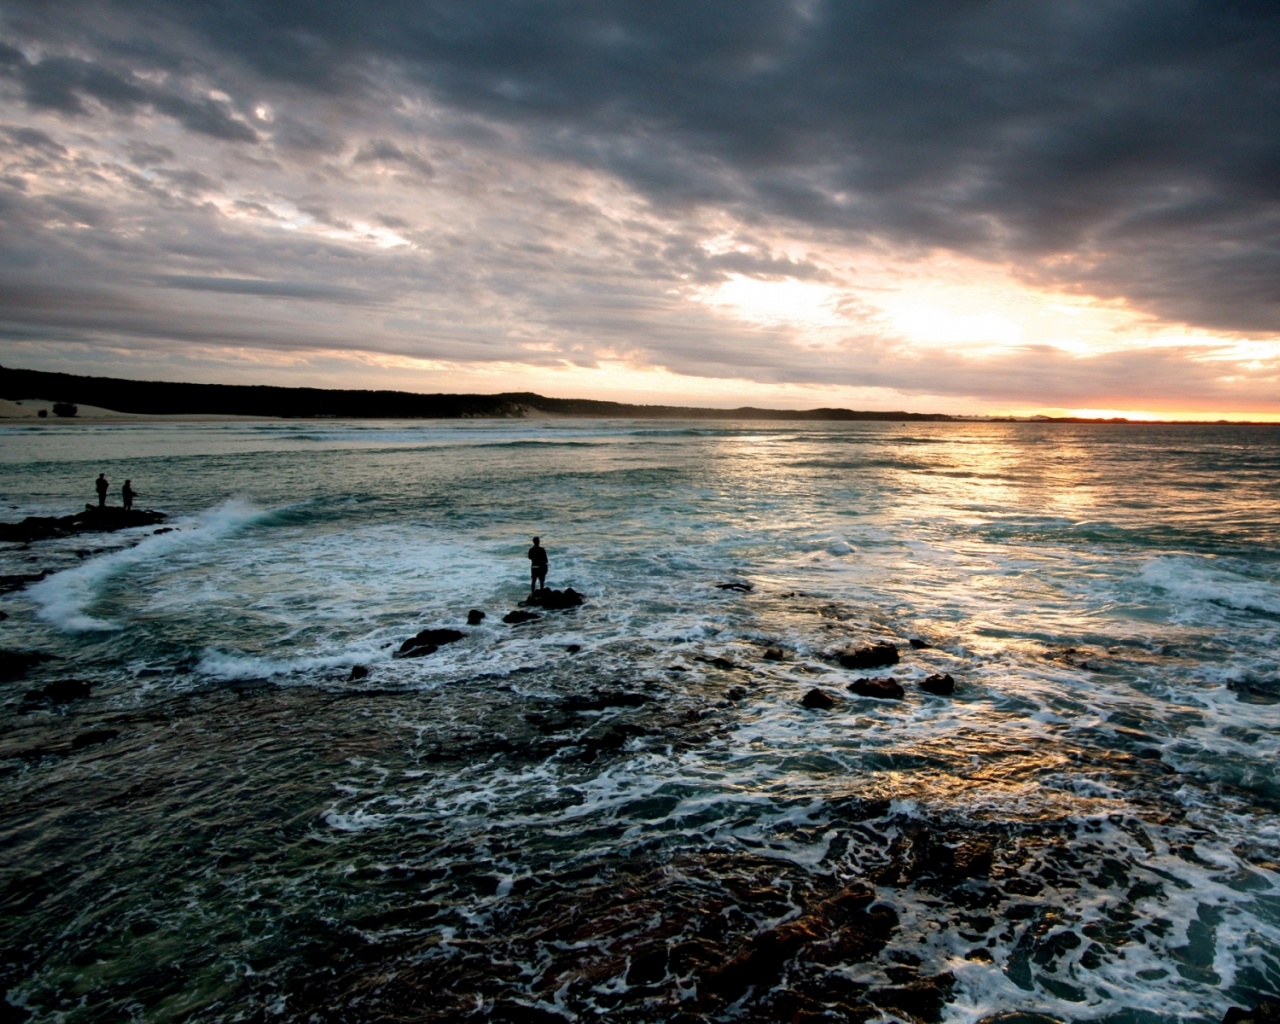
491	832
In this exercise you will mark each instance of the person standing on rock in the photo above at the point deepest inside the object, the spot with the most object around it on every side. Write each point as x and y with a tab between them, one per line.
102	486
128	493
537	566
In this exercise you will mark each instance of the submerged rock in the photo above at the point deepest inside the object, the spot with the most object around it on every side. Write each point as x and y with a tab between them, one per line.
14	664
842	929
93	738
475	617
598	701
1266	1012
741	588
60	691
358	672
516	617
940	683
873	656
428	642
917	644
20	580
883	688
774	654
818	700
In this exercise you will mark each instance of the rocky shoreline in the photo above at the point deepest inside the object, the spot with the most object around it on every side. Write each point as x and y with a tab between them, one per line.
94	519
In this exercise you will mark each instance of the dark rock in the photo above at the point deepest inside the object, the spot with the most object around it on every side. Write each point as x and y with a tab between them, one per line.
475	617
573	648
517	617
93	738
60	691
917	644
358	672
923	1000
553	600
736	693
939	683
515	1012
14	664
774	654
818	700
3	616
599	701
93	519
723	663
20	580
433	636
1266	1012
763	959
166	529
1073	658
884	688
648	968
416	646
874	656
839	930
742	588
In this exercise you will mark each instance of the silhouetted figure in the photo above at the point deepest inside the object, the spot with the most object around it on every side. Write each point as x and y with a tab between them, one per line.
537	566
102	486
128	493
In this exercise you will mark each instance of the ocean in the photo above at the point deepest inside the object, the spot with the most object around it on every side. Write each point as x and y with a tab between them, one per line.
628	811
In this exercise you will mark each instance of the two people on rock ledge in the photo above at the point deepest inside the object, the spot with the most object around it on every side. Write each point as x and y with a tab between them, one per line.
127	492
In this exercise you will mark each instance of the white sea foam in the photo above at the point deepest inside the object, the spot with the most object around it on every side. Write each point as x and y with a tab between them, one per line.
64	598
1205	581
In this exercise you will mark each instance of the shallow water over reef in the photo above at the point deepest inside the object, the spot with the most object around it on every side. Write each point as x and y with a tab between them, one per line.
623	811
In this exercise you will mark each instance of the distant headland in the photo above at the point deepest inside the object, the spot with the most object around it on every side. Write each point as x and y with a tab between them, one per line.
65	393
160	398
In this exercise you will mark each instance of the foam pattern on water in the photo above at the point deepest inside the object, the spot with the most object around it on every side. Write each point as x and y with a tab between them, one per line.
606	805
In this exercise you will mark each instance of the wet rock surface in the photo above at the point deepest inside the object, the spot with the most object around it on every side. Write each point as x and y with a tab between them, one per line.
872	656
882	688
428	641
553	599
60	691
696	928
940	684
15	664
93	519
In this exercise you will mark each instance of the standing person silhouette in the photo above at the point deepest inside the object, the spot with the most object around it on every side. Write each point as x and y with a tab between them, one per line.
537	566
128	493
102	486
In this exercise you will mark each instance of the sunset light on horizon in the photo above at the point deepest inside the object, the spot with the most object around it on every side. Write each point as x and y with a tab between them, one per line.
1005	218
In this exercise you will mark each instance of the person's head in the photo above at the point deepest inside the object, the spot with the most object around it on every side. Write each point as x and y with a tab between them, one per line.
537	541
128	482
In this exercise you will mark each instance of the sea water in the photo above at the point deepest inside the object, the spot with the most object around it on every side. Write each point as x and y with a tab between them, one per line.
595	814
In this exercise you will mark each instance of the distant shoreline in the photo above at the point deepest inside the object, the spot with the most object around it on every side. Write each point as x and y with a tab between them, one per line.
108	399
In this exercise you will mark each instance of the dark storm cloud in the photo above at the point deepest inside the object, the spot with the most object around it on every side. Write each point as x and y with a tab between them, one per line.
65	83
193	168
1110	143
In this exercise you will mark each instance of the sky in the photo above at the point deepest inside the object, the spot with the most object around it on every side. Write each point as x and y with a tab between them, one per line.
952	206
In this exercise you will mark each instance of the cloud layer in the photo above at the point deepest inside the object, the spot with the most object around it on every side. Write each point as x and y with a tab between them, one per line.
551	185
